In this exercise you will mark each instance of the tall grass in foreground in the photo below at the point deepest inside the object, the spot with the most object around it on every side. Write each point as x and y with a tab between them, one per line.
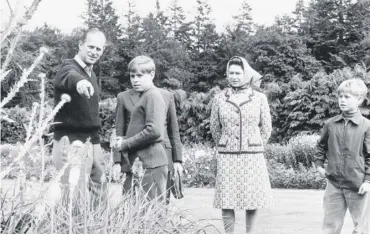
130	214
39	207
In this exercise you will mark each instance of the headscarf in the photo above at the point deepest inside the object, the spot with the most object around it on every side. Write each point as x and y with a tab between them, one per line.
252	75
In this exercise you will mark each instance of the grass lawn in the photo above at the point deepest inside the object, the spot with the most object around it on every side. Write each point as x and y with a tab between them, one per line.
295	211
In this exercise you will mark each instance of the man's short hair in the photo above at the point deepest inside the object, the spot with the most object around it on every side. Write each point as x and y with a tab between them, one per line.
142	63
354	87
92	30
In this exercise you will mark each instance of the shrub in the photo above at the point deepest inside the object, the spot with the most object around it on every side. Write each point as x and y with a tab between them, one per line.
299	150
303	106
303	148
200	166
107	116
282	176
194	121
285	163
282	154
13	132
32	161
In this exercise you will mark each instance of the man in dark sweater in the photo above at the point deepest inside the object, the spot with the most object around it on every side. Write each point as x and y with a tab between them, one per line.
79	119
145	131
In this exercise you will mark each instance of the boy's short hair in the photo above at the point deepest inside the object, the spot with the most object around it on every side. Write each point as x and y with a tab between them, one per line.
354	87
142	63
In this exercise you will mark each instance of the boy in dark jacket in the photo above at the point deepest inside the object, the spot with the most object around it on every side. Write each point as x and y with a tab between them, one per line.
144	136
345	143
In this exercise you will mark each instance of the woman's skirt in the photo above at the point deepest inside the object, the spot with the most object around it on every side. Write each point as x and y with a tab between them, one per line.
242	182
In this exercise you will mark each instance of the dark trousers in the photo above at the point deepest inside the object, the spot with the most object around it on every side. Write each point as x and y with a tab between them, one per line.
168	188
153	182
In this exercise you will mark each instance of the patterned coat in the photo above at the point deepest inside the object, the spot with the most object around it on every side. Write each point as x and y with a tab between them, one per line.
244	128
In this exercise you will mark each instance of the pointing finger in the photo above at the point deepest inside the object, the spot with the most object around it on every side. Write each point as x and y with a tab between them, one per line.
90	89
86	92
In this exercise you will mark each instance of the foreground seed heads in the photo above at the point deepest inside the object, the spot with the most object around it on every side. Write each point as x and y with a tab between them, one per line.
53	194
66	98
44	50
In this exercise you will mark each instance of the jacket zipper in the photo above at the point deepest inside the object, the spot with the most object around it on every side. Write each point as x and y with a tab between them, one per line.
343	144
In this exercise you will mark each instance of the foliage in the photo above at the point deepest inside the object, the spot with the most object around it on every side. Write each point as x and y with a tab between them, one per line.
299	151
200	166
281	55
61	47
303	57
195	117
289	166
176	18
236	38
102	14
334	29
32	160
303	148
107	116
281	154
282	176
13	132
308	104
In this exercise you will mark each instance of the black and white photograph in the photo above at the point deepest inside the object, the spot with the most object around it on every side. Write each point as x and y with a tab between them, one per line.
185	117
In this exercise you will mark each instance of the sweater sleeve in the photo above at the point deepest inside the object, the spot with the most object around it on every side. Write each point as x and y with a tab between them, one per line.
67	78
154	123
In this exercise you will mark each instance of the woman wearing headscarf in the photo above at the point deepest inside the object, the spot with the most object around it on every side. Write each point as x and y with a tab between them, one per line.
241	127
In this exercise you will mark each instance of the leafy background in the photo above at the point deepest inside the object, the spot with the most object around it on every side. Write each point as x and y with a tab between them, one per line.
303	57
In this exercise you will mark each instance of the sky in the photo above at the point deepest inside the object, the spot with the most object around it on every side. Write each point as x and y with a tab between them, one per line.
66	14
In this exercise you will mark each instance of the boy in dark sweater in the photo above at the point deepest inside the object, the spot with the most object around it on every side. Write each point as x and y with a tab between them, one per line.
345	143
79	119
145	131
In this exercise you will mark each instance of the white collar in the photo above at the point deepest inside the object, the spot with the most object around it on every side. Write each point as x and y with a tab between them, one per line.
83	65
80	62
